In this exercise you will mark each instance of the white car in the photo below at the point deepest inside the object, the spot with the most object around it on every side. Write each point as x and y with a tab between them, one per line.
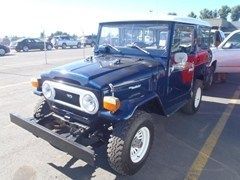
227	54
65	41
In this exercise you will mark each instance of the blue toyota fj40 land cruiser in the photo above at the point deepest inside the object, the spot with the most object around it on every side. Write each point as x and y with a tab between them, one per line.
138	67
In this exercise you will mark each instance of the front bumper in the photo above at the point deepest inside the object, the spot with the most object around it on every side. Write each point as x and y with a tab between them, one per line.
62	142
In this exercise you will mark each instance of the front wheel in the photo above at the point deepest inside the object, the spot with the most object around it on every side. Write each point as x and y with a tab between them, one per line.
193	104
64	46
79	45
130	143
49	47
25	48
41	110
2	52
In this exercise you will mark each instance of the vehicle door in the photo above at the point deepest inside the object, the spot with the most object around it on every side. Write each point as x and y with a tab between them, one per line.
67	41
38	44
72	41
180	75
228	55
28	43
33	44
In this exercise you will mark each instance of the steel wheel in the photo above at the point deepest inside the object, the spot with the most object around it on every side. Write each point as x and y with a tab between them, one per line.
198	97
139	144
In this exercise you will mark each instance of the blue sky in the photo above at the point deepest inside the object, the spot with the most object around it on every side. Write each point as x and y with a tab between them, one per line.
30	17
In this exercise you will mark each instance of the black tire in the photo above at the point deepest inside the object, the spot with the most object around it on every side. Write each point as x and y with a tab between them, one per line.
2	52
79	45
49	47
18	50
120	142
25	48
209	82
41	110
191	107
64	46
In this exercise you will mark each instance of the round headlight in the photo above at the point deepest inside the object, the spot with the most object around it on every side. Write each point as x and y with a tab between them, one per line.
89	103
47	90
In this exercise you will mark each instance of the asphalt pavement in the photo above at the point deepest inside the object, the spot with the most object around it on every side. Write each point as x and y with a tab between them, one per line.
201	146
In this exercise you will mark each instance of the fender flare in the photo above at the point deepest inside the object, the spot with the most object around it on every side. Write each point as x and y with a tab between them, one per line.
128	108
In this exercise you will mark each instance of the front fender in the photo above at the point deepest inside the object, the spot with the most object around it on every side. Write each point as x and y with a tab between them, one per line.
128	108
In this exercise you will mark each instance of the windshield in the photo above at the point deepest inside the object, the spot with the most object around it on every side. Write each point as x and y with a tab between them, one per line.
153	37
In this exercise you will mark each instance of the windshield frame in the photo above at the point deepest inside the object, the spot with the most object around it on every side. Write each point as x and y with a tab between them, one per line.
164	54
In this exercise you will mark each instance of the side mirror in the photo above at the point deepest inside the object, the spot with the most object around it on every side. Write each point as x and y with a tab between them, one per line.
180	58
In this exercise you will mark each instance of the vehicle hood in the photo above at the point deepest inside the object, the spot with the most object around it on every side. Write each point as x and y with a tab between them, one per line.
99	72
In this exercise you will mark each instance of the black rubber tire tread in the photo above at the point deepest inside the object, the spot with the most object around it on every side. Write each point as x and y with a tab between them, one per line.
119	144
189	107
208	85
41	109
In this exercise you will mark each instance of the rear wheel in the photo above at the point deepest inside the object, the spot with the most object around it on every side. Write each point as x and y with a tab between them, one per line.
130	143
2	52
194	103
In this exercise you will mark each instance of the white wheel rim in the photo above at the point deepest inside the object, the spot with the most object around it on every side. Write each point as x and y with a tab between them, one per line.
139	145
198	97
2	52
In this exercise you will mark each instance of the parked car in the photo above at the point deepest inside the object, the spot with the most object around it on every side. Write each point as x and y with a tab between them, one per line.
89	40
139	67
217	36
26	44
4	50
227	54
65	41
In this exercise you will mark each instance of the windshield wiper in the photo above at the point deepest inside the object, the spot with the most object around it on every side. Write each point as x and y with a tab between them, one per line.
102	48
112	47
141	49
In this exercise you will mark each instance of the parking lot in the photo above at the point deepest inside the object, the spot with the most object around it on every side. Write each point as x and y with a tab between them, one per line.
205	145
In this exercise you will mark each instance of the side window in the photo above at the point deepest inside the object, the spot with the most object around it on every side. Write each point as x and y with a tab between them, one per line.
233	42
183	39
203	40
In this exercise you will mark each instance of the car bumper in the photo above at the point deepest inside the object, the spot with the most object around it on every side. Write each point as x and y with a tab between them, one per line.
61	142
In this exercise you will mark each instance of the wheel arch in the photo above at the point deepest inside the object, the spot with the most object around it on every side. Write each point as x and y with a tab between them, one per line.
214	64
128	108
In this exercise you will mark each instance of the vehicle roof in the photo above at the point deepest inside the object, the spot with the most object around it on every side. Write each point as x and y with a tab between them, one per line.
188	20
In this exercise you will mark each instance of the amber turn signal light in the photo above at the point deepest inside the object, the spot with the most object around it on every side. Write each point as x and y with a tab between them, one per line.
34	82
111	103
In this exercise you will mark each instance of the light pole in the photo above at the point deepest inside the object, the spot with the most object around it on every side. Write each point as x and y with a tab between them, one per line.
45	48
